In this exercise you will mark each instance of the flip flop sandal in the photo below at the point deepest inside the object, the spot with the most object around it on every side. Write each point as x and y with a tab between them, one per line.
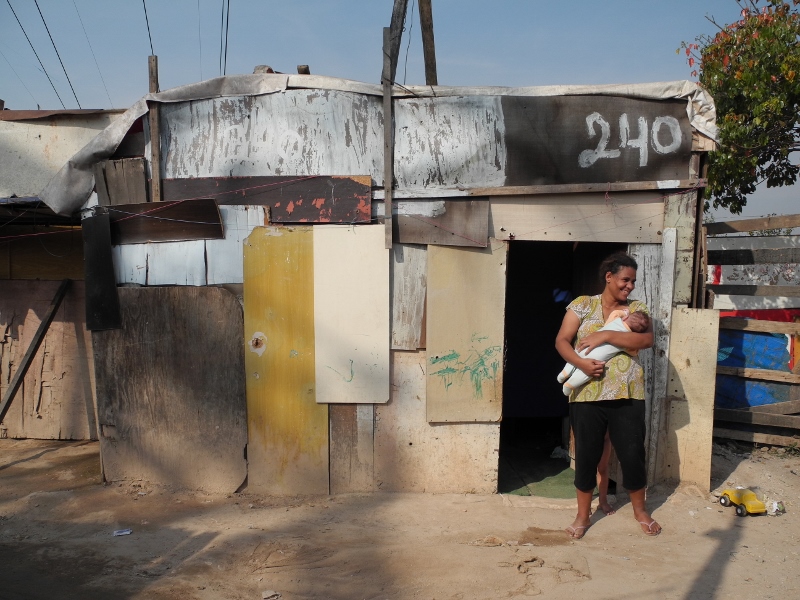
649	526
573	531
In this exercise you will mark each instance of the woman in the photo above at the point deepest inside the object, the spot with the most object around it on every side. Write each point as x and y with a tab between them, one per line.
613	400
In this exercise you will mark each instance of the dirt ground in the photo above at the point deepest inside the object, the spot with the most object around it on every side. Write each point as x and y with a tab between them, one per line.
57	522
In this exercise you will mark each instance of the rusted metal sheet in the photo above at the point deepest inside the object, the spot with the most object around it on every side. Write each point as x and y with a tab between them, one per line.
291	199
287	429
165	222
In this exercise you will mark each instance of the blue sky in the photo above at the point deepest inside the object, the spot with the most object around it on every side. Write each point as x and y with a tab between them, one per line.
478	42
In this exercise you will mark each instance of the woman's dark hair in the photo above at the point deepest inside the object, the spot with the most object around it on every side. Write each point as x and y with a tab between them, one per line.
615	262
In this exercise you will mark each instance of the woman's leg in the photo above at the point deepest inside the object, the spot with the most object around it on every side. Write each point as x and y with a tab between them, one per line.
602	478
589	424
626	429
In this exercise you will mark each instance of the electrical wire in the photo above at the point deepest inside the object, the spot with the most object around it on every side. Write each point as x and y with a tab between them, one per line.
37	55
52	41
199	40
93	56
20	78
150	37
227	23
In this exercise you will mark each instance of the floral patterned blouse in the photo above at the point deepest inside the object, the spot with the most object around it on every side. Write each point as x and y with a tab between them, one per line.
623	376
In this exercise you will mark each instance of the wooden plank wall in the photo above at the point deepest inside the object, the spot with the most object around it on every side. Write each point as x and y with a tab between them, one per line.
126	181
287	429
56	400
680	212
465	332
686	456
170	389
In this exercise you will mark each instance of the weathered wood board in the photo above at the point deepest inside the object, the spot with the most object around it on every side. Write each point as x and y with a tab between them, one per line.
102	300
352	443
351	314
55	255
680	212
125	181
165	222
635	217
442	222
690	395
170	389
408	276
412	455
287	428
465	332
307	199
729	302
56	400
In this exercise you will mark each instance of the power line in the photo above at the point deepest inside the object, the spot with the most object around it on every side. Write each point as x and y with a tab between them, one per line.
37	55
227	22
146	20
20	78
36	2
93	56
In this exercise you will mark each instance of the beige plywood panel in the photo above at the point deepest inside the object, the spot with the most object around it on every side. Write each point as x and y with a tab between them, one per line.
690	395
56	400
412	455
351	314
408	277
636	217
465	332
287	429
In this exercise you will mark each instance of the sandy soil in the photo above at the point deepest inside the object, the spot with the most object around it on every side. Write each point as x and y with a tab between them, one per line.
57	522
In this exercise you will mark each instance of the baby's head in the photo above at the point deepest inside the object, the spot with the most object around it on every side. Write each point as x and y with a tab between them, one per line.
638	321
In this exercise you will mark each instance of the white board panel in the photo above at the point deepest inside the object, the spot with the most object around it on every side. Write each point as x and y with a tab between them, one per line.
130	263
774	274
176	263
224	257
351	314
635	217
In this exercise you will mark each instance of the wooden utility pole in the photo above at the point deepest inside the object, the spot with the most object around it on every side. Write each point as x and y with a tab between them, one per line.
428	46
155	133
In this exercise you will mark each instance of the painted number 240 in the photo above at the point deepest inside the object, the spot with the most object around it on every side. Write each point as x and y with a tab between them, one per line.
646	137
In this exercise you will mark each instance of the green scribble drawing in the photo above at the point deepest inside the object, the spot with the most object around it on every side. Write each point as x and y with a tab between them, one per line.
453	355
345	379
480	365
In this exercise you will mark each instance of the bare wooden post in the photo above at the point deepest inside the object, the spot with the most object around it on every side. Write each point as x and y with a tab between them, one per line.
396	26
388	134
155	133
428	47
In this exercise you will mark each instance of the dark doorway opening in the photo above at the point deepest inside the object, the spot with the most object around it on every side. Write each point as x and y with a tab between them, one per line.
541	280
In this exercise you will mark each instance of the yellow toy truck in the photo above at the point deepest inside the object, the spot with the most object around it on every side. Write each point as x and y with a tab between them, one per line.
744	500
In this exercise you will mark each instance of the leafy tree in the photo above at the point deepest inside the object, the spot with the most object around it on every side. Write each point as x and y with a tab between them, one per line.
752	69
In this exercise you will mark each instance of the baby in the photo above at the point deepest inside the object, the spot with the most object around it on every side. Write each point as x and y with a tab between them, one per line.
618	320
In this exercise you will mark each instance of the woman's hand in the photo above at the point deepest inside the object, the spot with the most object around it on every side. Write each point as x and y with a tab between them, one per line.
593	368
592	341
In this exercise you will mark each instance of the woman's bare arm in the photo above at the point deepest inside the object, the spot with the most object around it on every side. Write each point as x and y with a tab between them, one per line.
567	333
621	339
